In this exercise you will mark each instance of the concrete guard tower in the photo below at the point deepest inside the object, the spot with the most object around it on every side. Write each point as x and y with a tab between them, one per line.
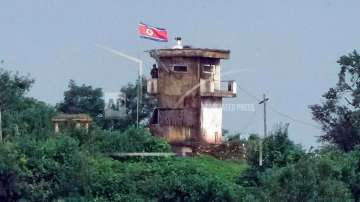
189	89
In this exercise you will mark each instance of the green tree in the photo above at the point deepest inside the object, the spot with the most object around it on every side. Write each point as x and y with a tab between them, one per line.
83	99
28	116
131	140
348	164
339	113
147	105
278	151
8	172
48	167
310	179
12	89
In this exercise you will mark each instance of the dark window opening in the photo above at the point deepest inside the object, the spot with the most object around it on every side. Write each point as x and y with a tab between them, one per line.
208	68
155	117
180	68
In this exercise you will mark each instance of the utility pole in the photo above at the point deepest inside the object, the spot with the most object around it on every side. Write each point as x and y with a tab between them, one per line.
139	93
263	101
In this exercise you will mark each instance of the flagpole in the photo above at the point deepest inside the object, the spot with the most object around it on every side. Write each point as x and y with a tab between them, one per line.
146	31
139	92
140	62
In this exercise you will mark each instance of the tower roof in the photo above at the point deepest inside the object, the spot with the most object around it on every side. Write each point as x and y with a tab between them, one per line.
71	117
191	52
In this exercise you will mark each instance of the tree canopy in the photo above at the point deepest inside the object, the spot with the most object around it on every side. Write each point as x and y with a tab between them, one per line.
146	107
339	113
38	165
83	99
13	86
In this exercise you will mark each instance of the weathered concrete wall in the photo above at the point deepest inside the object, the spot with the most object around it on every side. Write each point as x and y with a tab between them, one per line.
178	114
178	117
173	85
185	117
176	135
211	120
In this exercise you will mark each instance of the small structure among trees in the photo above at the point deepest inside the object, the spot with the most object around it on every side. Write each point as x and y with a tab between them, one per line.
115	106
71	120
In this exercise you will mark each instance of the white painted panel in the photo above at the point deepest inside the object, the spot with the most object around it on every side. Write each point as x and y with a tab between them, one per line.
211	120
152	86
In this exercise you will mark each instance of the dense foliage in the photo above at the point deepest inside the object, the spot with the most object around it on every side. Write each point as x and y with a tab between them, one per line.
290	174
52	167
75	165
89	100
78	165
147	104
340	111
278	151
314	177
12	89
83	99
27	116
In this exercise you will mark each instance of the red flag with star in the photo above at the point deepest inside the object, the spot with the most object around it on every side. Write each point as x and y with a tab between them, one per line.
153	33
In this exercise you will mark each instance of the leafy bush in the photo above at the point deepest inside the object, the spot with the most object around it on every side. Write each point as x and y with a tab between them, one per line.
66	167
131	140
348	165
28	116
181	179
278	151
319	176
310	179
9	167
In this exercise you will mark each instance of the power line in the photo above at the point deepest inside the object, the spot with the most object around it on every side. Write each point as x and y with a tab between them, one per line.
248	93
293	119
249	123
272	108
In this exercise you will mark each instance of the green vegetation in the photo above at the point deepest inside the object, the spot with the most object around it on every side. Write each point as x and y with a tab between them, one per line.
86	99
75	165
38	165
147	105
224	169
83	99
290	174
339	113
52	167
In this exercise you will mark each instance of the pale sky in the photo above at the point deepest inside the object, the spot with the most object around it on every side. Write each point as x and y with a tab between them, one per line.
286	49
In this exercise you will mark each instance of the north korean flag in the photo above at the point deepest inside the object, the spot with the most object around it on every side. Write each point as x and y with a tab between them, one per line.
154	33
